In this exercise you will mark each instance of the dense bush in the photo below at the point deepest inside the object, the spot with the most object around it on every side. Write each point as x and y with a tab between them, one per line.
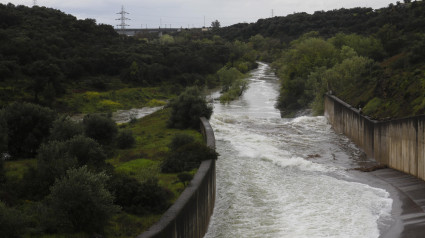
79	201
64	129
53	160
27	126
3	134
125	139
87	151
185	178
187	157
2	172
12	222
180	140
62	155
139	198
56	157
100	128
188	108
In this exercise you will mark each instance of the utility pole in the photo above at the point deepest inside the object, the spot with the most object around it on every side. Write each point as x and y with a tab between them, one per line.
34	3
122	18
272	13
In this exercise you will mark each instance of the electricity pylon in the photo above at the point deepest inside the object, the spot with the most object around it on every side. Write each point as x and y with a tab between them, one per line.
122	18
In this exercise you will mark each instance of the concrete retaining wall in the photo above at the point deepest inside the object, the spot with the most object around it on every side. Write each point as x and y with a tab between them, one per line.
400	144
190	214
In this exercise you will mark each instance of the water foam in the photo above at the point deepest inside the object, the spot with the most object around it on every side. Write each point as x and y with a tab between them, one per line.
266	187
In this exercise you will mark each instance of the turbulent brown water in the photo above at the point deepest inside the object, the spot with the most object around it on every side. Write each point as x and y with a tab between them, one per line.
288	177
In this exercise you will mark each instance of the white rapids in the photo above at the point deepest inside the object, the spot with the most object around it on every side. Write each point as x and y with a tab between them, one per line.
287	177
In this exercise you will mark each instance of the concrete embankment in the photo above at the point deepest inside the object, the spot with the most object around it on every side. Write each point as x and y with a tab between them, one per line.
190	214
400	145
409	193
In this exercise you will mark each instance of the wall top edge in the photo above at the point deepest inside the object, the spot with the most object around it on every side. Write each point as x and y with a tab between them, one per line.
357	111
171	214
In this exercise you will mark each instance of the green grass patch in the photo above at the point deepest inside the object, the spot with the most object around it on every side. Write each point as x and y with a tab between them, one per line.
153	135
156	103
172	183
141	169
372	106
126	225
17	168
110	101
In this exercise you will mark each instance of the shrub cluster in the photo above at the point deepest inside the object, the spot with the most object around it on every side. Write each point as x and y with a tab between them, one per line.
79	201
188	108
25	126
100	128
139	198
186	155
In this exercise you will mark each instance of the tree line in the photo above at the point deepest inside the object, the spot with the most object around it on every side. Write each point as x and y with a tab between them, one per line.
47	54
371	58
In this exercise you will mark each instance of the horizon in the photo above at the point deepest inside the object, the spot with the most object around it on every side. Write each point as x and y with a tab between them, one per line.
192	14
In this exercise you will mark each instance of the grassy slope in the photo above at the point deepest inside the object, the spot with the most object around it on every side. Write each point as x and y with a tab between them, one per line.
141	162
112	100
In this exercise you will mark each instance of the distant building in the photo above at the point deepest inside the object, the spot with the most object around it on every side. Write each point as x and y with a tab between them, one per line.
134	31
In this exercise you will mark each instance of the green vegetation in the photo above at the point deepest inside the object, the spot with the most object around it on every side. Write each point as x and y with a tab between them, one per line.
185	155
100	128
125	139
53	65
80	201
185	178
188	108
12	222
313	66
233	84
130	179
27	125
63	128
112	100
372	59
55	60
136	167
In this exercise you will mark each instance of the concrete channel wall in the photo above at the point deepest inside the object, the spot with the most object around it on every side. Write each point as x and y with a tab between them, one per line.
400	143
190	214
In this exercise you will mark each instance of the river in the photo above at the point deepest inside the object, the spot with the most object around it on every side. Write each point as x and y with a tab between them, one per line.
288	177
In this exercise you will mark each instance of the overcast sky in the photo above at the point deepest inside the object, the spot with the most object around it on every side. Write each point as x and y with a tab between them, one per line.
192	13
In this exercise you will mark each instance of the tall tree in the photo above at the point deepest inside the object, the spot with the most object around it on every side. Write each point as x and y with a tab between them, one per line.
80	201
215	24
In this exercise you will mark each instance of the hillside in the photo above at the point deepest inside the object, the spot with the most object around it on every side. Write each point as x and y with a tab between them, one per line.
94	177
47	54
391	40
